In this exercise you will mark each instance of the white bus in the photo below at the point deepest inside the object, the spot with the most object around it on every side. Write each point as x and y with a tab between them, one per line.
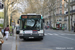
31	26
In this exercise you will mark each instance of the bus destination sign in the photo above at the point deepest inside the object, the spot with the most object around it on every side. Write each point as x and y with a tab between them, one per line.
30	16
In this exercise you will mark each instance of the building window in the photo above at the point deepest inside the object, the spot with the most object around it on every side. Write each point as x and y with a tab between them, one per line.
60	11
60	18
73	7
65	18
57	20
60	5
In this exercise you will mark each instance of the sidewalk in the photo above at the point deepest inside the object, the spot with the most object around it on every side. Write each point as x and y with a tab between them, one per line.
9	44
65	31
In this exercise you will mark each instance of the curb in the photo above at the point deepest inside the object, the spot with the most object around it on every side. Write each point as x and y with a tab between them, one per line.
16	42
13	44
65	31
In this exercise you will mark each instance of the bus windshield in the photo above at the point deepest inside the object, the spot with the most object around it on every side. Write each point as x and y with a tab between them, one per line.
32	24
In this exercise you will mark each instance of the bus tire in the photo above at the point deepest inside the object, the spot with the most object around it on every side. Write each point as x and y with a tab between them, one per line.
24	39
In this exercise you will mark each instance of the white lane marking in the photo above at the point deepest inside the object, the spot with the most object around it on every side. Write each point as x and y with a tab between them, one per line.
55	34
70	34
66	38
50	34
45	34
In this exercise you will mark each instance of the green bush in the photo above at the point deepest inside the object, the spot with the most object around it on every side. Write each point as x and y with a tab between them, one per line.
1	25
54	28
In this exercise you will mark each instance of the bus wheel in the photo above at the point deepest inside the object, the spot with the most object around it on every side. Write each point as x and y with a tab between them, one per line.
24	39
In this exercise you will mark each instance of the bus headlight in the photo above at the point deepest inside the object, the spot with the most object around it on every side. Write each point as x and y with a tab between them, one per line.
21	31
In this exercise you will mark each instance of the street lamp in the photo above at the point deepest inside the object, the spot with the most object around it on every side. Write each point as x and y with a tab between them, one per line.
68	13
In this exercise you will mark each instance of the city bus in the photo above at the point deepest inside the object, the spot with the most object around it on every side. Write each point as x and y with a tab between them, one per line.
31	26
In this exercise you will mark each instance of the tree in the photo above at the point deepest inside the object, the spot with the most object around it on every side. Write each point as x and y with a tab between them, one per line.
30	7
34	6
5	14
6	4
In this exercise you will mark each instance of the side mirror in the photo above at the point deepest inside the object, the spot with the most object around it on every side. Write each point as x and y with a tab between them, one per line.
17	21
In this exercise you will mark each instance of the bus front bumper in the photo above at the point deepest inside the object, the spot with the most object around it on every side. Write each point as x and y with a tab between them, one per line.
31	36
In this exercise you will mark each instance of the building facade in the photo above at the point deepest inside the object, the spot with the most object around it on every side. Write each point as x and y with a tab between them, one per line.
72	14
45	12
54	14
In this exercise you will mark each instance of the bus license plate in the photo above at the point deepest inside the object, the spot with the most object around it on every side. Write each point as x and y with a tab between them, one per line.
31	37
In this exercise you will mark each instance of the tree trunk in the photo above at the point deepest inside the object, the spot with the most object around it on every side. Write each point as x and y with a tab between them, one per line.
5	14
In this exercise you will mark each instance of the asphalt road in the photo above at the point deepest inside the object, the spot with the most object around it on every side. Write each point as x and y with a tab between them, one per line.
53	40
